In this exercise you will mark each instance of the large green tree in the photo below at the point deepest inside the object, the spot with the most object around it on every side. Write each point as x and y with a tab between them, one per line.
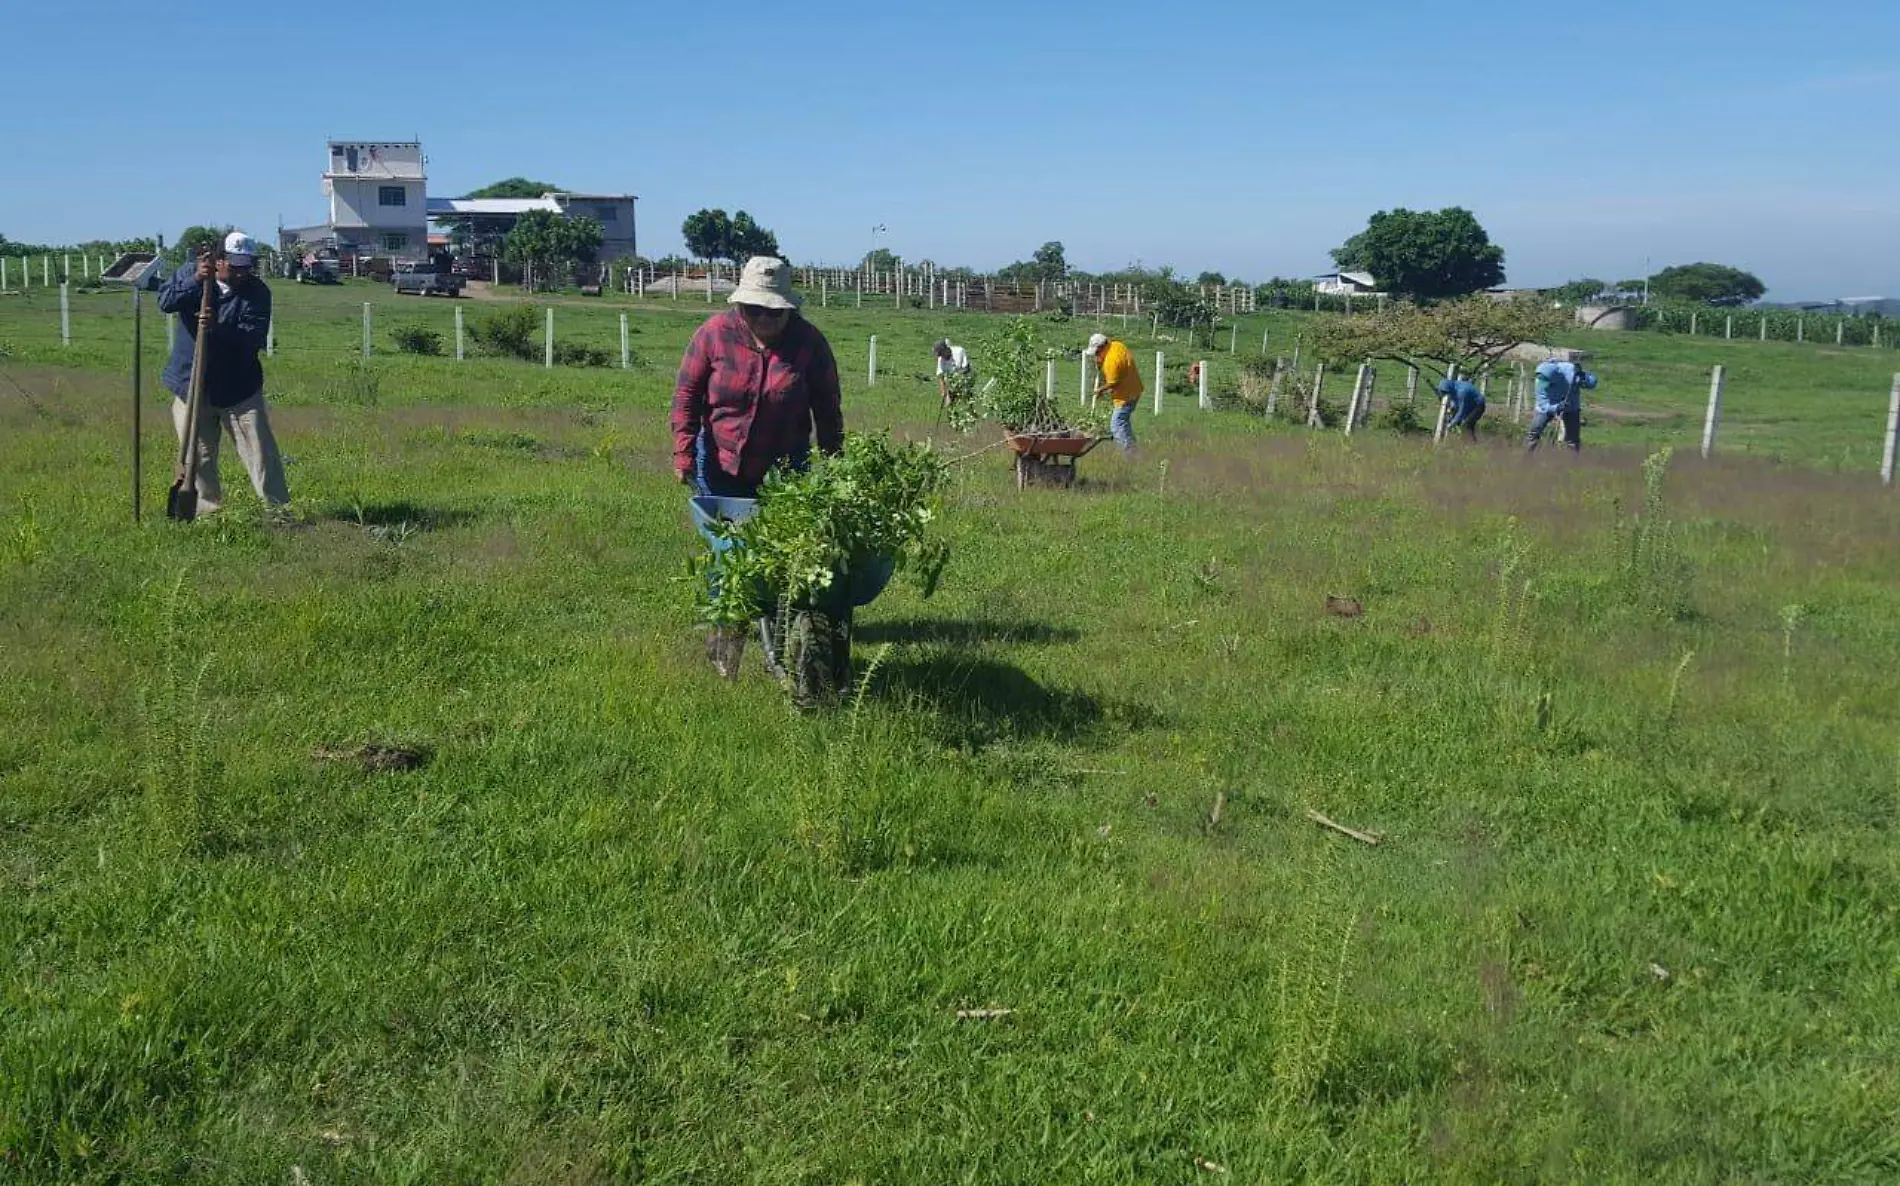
1577	291
1705	283
1425	254
195	239
551	243
711	234
515	187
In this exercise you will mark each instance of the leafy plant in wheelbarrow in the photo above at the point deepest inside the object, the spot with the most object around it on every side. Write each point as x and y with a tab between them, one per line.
1011	389
816	544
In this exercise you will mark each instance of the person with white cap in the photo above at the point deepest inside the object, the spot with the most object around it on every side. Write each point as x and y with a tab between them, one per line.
1119	378
234	378
1560	387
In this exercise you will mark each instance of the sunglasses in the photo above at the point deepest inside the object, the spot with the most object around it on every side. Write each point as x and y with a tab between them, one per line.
763	313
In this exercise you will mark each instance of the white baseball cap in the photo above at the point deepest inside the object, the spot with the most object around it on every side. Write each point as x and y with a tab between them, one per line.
240	249
1096	342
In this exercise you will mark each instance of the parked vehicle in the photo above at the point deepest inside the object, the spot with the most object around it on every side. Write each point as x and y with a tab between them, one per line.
426	280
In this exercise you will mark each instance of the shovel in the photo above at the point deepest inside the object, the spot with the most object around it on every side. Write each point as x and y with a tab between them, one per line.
182	502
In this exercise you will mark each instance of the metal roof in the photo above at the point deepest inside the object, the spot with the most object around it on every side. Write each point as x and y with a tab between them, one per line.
440	207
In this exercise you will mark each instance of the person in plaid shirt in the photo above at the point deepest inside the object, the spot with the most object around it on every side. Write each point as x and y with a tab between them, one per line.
755	382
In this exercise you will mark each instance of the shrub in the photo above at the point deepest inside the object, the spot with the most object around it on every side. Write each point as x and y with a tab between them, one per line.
1401	416
573	354
415	339
510	333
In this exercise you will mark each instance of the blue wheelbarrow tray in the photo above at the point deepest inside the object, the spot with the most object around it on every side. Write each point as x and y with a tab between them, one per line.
862	581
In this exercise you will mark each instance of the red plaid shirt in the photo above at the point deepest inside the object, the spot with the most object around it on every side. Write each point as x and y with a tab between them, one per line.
759	406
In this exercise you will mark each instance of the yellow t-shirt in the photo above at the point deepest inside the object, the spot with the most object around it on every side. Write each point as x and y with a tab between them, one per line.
1120	375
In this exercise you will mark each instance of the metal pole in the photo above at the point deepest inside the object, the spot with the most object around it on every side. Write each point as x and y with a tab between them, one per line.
548	339
365	331
1893	434
1714	414
626	344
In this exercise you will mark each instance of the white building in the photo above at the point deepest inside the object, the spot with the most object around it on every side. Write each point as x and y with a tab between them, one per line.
378	195
1346	284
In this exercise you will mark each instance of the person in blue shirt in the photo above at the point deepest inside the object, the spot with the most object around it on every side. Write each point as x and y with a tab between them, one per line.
1560	388
1466	405
234	378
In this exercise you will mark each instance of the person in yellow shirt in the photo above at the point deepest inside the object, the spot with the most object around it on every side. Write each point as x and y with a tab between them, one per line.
1118	378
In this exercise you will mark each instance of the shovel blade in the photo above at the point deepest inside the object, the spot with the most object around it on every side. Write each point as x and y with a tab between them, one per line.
182	503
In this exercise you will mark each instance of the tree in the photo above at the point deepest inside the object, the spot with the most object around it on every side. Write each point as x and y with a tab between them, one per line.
516	187
748	239
1049	261
550	242
710	234
706	233
1709	284
1426	254
1577	292
1210	278
195	239
879	259
1470	334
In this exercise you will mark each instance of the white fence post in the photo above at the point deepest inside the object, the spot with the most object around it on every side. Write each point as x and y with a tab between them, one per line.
871	379
1319	383
459	353
1444	408
548	346
1049	380
1358	393
1233	344
270	337
1202	372
1893	434
1728	327
626	344
3	273
1764	327
1085	379
1411	385
1160	387
46	271
824	292
1840	330
365	331
1715	411
1800	329
65	317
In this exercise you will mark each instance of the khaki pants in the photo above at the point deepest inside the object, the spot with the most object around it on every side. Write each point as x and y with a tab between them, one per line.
249	425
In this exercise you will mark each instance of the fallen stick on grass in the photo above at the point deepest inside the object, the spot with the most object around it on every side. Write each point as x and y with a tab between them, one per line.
1362	837
982	1014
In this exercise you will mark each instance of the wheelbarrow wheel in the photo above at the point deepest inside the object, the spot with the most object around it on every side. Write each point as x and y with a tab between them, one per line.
809	653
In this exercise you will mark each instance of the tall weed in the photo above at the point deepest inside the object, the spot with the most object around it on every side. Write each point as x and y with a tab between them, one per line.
1652	573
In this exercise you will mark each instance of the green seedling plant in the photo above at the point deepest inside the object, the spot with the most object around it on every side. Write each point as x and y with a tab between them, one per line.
815	527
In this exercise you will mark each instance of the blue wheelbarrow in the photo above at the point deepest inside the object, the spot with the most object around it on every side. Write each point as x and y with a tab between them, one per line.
807	644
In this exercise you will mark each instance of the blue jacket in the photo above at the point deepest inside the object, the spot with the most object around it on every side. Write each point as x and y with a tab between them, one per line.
1466	400
1560	385
242	322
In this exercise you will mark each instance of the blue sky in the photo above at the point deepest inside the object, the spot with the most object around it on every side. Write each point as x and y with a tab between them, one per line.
1249	138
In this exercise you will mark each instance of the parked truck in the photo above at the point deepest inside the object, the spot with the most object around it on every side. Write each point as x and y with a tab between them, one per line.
427	279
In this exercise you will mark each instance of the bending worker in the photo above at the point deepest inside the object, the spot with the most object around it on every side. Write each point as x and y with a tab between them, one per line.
952	361
1121	381
1465	405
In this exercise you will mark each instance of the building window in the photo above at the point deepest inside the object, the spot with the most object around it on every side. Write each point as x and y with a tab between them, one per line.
395	242
605	214
391	195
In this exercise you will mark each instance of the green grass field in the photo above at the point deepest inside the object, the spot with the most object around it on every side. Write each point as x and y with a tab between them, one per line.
1632	918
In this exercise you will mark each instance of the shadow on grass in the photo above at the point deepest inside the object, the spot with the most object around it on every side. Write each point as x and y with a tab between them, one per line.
394	514
975	702
965	631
